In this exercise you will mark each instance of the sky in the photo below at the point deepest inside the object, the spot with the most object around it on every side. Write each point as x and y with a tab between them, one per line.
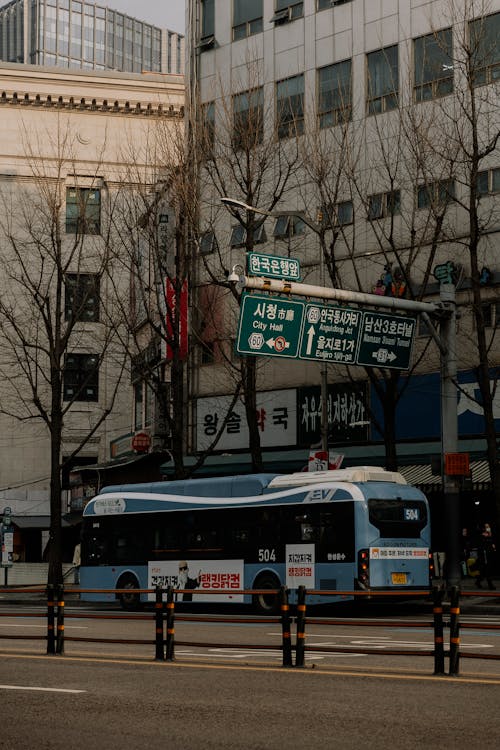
169	14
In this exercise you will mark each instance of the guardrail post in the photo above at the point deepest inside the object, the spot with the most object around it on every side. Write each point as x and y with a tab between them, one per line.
170	624
159	652
51	636
285	627
301	625
437	596
60	620
454	630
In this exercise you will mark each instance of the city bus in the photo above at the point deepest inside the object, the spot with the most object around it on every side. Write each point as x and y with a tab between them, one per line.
362	528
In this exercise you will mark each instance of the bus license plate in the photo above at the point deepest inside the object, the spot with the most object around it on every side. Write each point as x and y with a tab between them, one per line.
398	578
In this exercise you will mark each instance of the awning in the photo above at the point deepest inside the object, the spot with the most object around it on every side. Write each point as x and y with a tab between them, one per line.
422	476
35	522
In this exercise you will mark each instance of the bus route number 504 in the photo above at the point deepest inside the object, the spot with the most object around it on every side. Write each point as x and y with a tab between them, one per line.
267	555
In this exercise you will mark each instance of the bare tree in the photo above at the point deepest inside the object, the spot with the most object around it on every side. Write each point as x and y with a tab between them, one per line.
249	156
58	328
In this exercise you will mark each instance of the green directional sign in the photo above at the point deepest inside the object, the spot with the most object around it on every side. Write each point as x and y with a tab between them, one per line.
273	266
269	326
386	340
330	333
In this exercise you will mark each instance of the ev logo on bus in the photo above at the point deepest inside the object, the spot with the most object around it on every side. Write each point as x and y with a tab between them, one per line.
319	496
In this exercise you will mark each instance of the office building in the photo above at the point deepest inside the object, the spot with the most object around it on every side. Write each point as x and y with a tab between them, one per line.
74	34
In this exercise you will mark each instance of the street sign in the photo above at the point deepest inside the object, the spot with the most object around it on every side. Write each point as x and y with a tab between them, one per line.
282	327
269	326
273	266
330	333
386	341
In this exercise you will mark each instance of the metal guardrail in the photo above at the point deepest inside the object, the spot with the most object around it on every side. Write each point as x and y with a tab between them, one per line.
164	616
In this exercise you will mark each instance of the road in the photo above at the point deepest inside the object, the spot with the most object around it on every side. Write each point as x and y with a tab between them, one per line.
401	642
56	703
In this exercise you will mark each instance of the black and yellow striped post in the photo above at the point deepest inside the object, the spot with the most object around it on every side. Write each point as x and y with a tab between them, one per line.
170	624
60	620
437	597
51	634
159	641
454	630
301	626
285	627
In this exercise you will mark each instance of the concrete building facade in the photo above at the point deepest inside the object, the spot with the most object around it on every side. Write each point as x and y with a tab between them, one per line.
70	141
371	102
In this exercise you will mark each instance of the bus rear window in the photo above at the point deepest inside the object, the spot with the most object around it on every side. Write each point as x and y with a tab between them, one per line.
398	518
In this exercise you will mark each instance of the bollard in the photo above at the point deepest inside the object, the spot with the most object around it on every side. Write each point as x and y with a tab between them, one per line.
454	631
437	595
51	636
301	624
60	620
170	624
285	627
159	654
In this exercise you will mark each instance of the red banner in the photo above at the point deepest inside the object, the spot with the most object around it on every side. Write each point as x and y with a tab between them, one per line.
172	311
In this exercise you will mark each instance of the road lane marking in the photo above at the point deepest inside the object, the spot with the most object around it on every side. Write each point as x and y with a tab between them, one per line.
40	689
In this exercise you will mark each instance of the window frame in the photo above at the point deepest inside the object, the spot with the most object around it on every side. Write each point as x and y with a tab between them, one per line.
249	119
424	80
489	72
86	219
434	191
289	124
286	11
388	96
84	376
329	116
288	225
390	205
86	288
493	181
247	25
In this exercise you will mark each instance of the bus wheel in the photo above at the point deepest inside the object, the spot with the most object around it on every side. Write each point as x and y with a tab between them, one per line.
129	601
267	604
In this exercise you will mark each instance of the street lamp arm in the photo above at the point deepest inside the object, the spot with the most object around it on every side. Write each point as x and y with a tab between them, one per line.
235	203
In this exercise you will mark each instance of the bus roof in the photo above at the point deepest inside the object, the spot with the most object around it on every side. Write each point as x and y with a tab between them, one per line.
355	474
250	485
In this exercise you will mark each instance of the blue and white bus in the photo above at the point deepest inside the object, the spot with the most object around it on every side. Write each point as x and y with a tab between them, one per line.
351	529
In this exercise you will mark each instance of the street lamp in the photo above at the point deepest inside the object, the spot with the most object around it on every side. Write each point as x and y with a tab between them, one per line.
235	203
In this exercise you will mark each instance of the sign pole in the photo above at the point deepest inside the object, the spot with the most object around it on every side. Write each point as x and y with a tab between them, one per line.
449	432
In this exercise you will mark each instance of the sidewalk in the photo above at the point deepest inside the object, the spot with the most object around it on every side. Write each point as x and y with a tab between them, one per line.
475	600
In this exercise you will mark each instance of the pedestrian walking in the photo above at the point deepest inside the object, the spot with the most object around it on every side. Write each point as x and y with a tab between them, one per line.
486	550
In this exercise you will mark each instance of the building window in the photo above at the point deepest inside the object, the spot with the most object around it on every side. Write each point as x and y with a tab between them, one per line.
247	18
208	113
207	18
81	377
81	297
334	94
488	181
83	211
322	4
336	215
248	119
290	106
239	235
491	314
381	205
433	60
435	193
383	85
143	405
287	11
288	226
485	48
208	243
